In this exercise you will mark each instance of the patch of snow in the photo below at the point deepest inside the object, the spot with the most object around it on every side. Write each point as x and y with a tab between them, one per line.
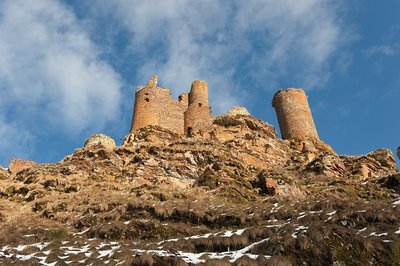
21	247
331	213
315	212
75	250
41	246
301	216
81	233
397	232
375	234
47	253
195	257
362	230
104	253
88	254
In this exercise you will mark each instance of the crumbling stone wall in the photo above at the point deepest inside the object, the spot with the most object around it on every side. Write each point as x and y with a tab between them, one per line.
197	117
294	114
155	106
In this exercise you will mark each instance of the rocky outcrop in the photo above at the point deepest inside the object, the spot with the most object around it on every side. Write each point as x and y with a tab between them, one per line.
238	193
238	110
99	140
18	165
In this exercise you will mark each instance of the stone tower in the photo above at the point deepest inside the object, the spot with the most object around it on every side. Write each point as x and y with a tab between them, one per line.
155	106
294	114
197	117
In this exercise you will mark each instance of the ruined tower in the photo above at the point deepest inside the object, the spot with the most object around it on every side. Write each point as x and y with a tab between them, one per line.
197	117
155	106
294	114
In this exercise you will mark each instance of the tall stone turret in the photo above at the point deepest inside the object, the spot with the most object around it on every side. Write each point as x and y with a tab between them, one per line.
197	117
294	114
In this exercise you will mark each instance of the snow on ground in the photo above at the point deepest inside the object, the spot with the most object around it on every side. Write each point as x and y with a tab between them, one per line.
196	258
104	252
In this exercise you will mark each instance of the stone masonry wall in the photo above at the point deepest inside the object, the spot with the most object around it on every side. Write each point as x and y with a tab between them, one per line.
198	117
294	114
155	106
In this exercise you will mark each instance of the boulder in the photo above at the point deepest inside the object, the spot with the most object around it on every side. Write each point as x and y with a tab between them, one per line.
238	110
100	140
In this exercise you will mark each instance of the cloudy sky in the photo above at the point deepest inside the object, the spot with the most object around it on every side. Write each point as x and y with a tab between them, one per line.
69	69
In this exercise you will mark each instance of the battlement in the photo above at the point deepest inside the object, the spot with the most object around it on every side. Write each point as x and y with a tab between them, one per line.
294	114
155	106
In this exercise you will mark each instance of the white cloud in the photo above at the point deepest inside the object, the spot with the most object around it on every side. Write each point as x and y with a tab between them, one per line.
50	72
226	42
387	50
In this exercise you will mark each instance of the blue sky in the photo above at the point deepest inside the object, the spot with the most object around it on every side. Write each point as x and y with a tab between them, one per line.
69	69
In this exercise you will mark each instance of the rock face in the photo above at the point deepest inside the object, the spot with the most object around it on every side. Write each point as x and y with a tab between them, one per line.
238	196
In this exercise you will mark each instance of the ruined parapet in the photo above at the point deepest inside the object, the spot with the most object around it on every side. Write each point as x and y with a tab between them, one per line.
199	93
294	114
197	117
155	106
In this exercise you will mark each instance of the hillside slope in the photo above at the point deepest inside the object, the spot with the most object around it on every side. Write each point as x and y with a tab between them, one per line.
241	197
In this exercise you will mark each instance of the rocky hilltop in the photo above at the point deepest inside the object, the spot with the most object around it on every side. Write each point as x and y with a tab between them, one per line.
240	196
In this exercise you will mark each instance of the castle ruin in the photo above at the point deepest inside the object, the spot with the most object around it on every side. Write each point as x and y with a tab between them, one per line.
294	114
191	114
188	115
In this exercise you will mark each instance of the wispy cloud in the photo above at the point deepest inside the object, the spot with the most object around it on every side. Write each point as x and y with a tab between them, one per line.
387	50
50	73
231	44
